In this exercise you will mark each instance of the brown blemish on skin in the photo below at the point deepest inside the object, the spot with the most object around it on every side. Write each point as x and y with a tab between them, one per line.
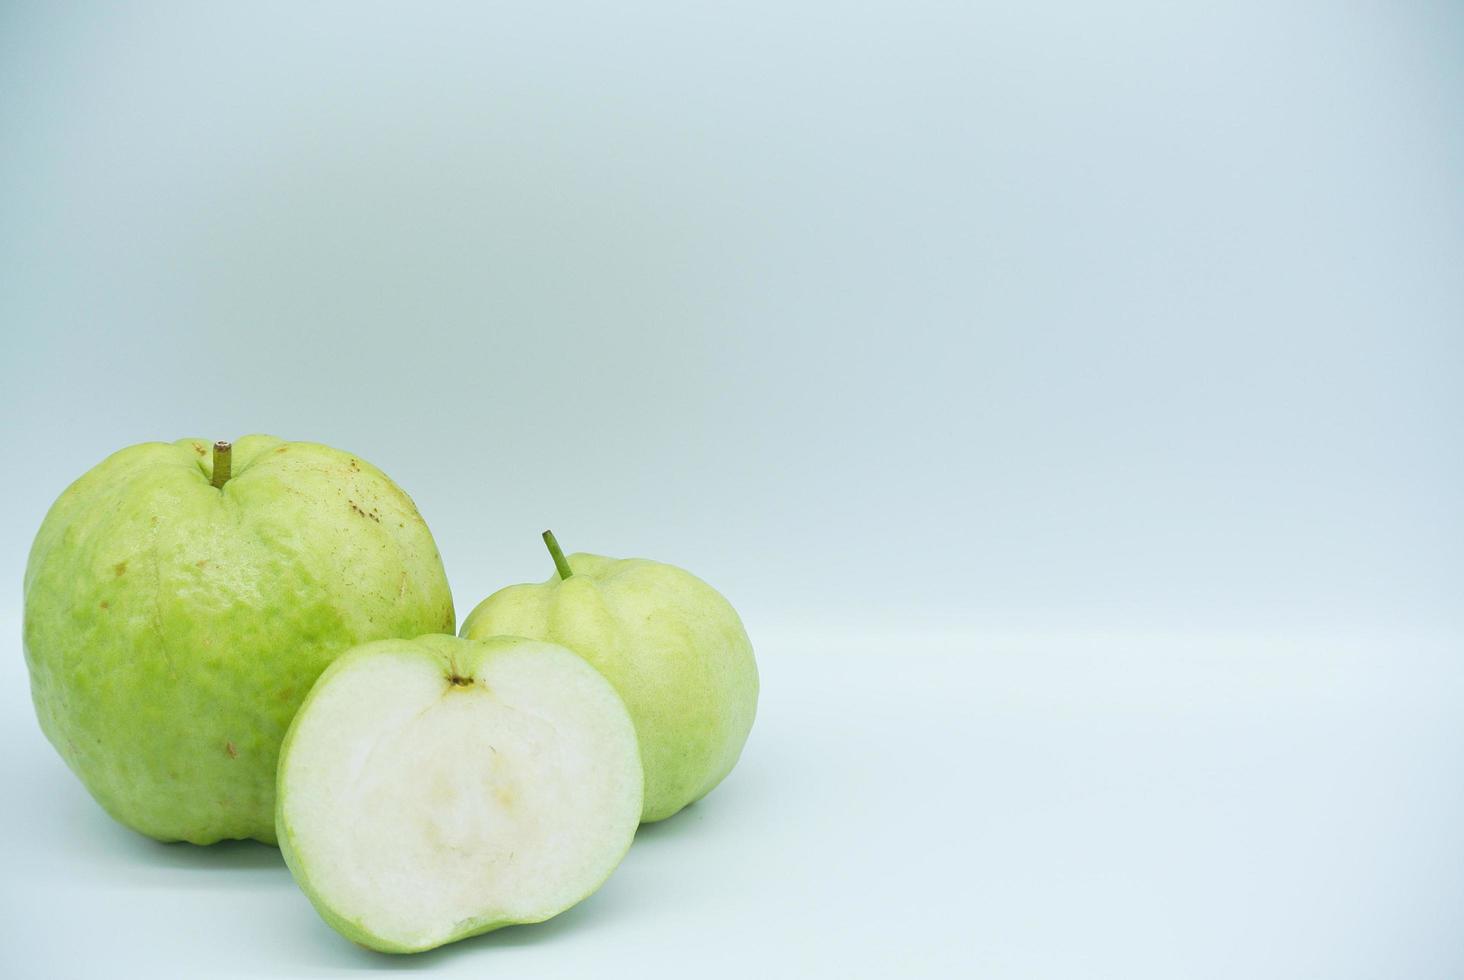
282	449
373	514
201	563
229	748
105	604
459	680
198	448
120	568
286	693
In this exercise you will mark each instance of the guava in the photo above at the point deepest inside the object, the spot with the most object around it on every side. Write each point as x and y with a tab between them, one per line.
180	602
672	646
437	788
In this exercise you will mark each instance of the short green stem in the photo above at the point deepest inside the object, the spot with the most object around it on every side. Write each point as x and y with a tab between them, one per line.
560	562
223	462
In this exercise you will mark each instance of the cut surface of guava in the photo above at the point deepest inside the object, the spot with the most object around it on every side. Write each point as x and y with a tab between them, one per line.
436	788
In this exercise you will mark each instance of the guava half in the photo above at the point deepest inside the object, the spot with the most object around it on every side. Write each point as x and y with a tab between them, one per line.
437	788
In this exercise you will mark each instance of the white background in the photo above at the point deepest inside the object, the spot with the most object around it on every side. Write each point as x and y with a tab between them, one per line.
911	805
1068	396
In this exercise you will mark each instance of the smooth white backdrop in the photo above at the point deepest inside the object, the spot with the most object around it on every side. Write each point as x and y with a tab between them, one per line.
1068	396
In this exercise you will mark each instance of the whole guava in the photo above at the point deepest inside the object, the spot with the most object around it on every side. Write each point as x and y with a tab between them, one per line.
180	603
672	646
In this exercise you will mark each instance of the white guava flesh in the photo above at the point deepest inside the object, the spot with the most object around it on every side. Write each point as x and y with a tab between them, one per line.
437	788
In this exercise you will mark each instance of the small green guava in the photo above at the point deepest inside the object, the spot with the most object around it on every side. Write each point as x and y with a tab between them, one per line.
672	646
179	604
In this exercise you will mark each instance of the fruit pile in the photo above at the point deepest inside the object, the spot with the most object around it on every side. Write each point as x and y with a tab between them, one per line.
256	641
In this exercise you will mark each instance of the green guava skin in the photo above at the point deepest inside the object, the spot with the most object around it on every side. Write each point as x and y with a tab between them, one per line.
172	628
671	646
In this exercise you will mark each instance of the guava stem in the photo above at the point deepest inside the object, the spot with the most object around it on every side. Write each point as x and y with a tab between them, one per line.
223	462
560	562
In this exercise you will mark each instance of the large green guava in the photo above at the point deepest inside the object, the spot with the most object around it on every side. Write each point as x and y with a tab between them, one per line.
180	603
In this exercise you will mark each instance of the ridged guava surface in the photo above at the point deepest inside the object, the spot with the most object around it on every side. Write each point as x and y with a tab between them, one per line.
671	645
172	627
